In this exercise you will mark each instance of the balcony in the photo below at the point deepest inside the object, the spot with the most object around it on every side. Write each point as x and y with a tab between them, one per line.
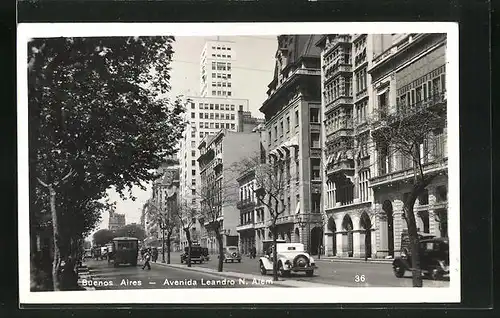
333	69
336	41
244	227
342	100
285	219
345	166
314	218
345	131
260	224
436	102
245	204
402	175
362	94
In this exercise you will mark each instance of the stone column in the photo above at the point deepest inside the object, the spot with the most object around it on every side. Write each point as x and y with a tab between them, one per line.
340	244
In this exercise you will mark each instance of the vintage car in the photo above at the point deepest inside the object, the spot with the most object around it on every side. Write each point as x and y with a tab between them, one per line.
204	254
291	259
124	250
434	258
196	254
231	253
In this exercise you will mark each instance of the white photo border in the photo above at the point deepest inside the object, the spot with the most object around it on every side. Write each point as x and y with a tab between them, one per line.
371	295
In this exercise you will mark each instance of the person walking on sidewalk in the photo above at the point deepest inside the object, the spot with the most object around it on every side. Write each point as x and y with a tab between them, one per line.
147	258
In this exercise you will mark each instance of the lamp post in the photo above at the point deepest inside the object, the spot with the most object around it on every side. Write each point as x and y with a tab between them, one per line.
302	222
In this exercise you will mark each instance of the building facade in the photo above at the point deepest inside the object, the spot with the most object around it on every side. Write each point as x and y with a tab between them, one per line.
218	154
362	201
164	196
116	221
292	134
216	69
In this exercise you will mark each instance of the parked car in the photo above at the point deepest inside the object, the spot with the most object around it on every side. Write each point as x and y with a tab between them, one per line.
231	253
196	255
434	258
204	254
291	259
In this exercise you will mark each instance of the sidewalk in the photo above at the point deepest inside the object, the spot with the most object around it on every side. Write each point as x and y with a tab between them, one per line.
282	282
353	260
84	273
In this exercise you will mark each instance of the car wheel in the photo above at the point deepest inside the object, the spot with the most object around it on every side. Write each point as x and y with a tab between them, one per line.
436	274
309	273
263	270
399	271
283	272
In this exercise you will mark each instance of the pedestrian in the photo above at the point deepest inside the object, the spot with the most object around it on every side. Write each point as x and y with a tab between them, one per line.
155	254
253	252
147	258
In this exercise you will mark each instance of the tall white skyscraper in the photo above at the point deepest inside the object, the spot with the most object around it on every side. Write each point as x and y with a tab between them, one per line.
216	69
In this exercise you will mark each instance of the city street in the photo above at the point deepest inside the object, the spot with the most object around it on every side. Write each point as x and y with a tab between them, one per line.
329	272
106	277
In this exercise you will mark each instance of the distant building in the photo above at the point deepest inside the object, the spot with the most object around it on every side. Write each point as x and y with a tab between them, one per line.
116	221
216	69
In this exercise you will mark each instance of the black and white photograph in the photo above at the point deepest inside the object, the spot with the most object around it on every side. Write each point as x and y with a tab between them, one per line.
236	162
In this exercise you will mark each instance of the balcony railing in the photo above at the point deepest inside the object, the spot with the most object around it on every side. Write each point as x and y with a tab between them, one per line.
345	165
405	111
342	100
335	69
345	131
402	175
245	203
247	226
284	219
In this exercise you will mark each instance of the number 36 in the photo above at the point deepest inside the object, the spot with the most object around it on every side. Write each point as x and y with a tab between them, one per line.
359	278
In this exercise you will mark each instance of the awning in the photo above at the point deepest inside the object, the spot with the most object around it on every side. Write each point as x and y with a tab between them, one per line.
383	91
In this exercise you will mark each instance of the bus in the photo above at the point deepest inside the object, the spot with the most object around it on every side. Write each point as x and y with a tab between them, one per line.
125	250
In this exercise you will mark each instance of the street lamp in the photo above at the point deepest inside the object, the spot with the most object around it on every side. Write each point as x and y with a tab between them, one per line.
302	222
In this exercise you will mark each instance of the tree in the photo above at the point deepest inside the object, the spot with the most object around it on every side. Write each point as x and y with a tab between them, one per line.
165	217
103	236
411	133
132	230
271	180
97	118
213	198
186	216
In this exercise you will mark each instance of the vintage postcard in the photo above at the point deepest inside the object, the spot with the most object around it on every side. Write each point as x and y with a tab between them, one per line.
236	162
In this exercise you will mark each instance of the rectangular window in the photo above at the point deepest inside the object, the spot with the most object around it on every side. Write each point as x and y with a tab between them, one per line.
211	115
275	132
270	137
193	153
192	106
206	115
193	134
281	129
193	181
217	125
193	172
212	125
232	116
232	107
227	125
228	93
216	106
233	126
288	124
193	115
201	134
296	118
314	115
315	143
315	169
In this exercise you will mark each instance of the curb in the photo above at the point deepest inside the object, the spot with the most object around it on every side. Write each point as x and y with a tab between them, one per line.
281	283
355	261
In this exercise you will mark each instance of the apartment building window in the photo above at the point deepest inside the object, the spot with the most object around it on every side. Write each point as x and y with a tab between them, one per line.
193	115
315	142
211	125
229	76
361	110
233	126
228	84
227	116
232	116
439	144
383	105
201	134
192	106
193	172
383	160
213	65
193	163
296	117
314	115
348	86
275	132
193	153
269	138
216	125
214	75
193	134
281	129
288	124
193	181
364	175
315	169
361	80
214	92
227	125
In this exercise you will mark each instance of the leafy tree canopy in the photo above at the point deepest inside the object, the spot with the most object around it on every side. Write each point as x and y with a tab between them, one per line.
132	230
103	236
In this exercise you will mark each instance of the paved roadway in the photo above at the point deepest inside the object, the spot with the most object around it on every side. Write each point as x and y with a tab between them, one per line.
330	272
123	277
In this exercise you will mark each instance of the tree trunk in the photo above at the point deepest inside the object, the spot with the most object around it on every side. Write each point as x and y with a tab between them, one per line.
188	237
163	246
55	230
275	255
414	241
169	234
220	244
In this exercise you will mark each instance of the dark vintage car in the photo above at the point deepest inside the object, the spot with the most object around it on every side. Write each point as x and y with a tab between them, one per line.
204	254
124	251
434	258
196	254
231	253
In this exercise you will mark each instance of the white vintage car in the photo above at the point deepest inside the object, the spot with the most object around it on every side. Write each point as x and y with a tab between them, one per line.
291	259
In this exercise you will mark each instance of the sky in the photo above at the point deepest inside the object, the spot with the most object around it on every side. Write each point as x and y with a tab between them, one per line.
252	71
